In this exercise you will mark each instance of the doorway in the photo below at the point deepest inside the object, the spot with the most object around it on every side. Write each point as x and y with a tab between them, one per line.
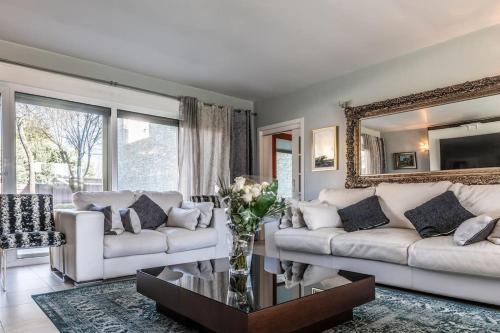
280	152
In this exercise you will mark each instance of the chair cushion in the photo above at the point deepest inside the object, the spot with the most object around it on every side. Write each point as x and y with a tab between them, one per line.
304	240
180	239
386	244
396	199
129	244
341	197
32	239
442	254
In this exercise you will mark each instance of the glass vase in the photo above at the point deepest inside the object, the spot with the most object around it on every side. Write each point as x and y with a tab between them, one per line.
240	293
240	253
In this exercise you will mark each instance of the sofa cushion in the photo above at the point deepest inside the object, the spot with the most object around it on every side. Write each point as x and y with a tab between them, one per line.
396	199
341	197
439	216
129	244
321	216
304	240
442	254
386	244
116	199
180	239
479	199
165	200
366	214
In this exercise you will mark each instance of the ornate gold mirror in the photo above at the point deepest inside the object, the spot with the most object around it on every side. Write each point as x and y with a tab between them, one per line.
450	133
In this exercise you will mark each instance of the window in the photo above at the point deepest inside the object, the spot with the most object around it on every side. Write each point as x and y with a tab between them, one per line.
59	147
147	152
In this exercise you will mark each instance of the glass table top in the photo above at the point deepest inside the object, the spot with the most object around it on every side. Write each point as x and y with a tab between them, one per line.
272	281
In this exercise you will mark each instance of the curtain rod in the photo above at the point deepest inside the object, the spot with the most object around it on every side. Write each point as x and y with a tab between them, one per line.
92	79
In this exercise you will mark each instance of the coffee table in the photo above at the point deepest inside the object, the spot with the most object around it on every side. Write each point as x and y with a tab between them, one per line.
278	296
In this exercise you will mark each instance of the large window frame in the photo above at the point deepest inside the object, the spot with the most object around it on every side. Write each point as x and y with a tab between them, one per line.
8	91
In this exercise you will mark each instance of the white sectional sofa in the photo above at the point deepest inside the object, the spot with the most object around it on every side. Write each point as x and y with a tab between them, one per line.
395	253
90	255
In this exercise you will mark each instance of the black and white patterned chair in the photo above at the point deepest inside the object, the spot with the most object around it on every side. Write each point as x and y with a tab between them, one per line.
207	198
26	221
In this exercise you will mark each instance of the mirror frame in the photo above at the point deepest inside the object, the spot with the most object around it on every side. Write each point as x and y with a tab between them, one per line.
456	93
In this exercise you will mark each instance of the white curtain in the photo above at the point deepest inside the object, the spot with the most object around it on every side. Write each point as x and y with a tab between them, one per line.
204	146
372	155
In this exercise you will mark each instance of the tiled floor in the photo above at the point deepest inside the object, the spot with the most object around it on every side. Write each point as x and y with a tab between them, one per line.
18	311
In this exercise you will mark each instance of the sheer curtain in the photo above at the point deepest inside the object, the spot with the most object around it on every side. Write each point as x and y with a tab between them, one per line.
372	155
204	146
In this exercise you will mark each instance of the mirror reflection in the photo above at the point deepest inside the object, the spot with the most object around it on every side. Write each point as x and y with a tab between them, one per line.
462	135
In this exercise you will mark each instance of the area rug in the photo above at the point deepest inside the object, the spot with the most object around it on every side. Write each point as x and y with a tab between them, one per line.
117	307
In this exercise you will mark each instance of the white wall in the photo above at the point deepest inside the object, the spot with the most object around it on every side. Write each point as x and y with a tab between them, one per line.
406	141
469	57
58	62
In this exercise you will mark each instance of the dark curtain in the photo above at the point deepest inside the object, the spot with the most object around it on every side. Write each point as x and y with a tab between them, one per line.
242	143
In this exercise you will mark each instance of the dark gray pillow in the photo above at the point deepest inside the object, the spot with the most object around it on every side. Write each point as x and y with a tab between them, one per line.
150	214
366	214
108	216
439	216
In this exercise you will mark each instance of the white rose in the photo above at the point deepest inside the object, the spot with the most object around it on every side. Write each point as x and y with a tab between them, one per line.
264	185
247	197
240	180
255	190
247	188
237	187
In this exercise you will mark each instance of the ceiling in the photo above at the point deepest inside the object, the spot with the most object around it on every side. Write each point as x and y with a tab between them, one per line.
465	111
249	49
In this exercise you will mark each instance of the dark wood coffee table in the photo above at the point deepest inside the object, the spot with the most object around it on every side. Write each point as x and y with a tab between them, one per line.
276	297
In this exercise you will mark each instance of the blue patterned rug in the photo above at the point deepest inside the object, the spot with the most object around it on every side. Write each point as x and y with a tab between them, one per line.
117	307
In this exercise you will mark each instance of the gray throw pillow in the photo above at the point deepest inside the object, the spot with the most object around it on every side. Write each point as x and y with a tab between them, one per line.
206	211
474	230
183	218
131	221
439	216
363	215
108	216
150	214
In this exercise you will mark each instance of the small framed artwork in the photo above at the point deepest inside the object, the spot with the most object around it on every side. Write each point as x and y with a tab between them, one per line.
325	149
405	160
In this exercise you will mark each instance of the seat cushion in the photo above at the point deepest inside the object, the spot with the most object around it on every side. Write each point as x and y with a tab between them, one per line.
442	254
305	240
396	199
387	244
180	239
32	239
129	244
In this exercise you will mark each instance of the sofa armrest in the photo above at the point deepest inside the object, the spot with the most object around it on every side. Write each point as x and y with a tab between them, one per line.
84	249
219	222
270	228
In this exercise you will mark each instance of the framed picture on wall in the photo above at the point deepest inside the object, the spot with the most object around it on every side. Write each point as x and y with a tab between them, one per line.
405	160
325	149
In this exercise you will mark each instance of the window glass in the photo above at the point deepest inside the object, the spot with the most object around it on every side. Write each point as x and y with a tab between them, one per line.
147	152
59	147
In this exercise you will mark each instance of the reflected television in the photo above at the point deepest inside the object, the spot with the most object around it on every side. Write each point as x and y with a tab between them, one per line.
477	151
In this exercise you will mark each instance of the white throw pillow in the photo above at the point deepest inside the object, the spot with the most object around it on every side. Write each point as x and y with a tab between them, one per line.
183	218
396	199
296	207
494	237
321	216
342	197
206	210
474	230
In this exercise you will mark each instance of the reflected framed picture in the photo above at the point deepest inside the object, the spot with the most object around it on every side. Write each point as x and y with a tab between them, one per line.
405	160
325	149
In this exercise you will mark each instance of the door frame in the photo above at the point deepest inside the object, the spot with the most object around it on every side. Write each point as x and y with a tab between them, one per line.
276	128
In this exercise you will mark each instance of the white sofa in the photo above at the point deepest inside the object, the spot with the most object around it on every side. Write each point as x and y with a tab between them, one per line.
395	253
90	255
